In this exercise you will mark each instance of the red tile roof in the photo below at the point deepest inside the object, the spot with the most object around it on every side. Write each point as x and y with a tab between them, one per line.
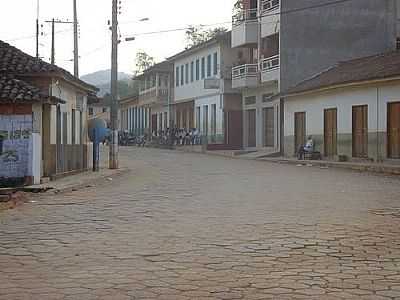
377	67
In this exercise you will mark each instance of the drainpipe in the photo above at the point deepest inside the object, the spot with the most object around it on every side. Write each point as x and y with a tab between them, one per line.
378	156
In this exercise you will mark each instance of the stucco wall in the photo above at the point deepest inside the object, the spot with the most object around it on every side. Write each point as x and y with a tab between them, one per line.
314	39
375	96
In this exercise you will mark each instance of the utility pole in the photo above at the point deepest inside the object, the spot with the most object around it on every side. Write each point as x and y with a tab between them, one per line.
113	158
52	43
53	38
76	53
37	29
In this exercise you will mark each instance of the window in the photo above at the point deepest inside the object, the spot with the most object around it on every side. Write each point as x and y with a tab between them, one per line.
267	97
192	71
209	65
215	63
104	109
203	67
187	73
177	76
90	111
398	44
197	69
182	74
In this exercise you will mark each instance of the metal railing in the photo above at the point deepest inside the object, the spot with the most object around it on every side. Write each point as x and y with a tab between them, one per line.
245	15
270	63
268	5
248	70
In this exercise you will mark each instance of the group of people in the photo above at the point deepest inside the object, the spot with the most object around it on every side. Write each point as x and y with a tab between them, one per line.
178	136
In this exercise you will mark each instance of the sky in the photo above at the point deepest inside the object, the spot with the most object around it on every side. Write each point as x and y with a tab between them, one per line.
18	17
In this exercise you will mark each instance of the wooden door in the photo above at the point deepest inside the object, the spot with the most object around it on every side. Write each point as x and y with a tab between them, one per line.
394	130
154	123
269	128
233	128
299	130
330	132
251	128
360	131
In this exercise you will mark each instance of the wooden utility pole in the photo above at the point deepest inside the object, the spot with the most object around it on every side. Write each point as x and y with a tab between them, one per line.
52	43
76	53
113	157
53	38
37	29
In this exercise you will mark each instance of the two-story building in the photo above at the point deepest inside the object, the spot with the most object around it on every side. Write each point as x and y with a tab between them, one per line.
152	112
283	42
203	94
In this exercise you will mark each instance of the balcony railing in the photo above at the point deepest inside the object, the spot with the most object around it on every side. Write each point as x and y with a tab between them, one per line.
248	15
268	5
270	63
248	70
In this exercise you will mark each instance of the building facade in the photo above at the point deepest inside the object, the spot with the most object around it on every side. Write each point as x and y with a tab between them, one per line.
283	42
155	96
50	115
351	110
203	94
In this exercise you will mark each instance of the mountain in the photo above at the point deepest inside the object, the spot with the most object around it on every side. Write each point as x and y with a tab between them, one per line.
101	79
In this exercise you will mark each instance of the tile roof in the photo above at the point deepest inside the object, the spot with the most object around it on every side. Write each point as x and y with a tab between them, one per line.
18	91
16	62
377	67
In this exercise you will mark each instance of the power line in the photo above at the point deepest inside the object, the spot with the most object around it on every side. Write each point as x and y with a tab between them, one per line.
230	22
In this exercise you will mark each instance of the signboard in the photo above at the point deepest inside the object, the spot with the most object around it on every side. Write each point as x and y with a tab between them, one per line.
16	146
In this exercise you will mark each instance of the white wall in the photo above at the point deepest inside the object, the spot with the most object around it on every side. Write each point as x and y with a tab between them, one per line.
376	97
259	106
209	101
196	88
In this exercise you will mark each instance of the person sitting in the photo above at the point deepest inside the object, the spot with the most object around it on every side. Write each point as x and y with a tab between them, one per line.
307	148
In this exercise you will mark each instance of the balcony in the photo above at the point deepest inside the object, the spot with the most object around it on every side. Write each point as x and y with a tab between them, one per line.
153	95
245	28
270	69
245	76
270	17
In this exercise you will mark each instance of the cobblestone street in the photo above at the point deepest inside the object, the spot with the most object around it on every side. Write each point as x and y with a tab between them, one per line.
191	226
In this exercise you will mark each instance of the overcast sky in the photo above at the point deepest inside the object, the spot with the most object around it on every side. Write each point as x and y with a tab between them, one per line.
17	20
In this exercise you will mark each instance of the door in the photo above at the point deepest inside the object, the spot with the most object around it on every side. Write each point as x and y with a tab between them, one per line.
160	124
330	132
205	120
269	130
360	131
394	130
154	123
233	128
299	130
251	128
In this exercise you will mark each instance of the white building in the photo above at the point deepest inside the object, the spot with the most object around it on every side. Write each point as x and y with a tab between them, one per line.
282	42
203	94
351	110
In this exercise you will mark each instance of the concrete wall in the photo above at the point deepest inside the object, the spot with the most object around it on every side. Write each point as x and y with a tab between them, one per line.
314	39
259	106
375	96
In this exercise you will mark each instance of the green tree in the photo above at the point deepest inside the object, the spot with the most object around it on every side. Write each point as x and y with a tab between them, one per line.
143	61
196	35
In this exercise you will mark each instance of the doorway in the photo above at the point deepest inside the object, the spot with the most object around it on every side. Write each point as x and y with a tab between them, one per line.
299	130
330	132
251	128
269	130
394	130
360	131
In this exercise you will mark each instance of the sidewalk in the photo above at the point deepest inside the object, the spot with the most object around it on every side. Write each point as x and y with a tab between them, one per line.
382	168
